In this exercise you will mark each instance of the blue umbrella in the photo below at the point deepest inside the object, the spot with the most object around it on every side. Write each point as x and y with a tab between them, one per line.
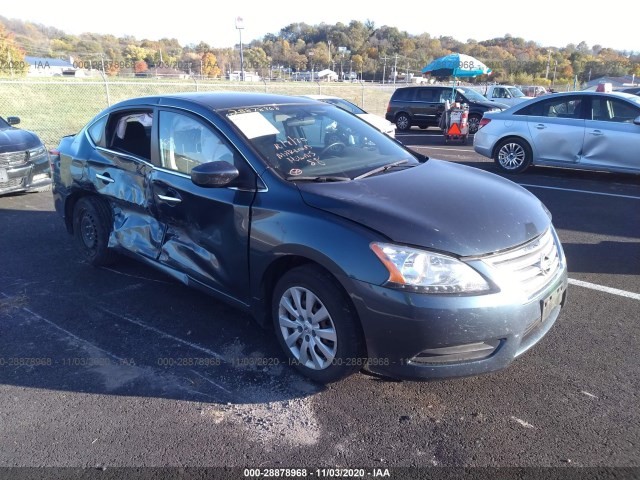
456	65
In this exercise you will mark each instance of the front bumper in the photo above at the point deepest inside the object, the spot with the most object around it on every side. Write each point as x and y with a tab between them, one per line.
30	176
417	336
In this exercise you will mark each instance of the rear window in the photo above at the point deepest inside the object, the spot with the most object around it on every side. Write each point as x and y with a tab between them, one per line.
403	94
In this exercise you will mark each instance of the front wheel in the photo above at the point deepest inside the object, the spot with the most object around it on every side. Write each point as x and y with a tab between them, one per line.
316	326
513	155
403	122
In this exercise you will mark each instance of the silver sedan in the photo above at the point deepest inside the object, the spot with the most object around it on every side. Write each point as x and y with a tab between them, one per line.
584	130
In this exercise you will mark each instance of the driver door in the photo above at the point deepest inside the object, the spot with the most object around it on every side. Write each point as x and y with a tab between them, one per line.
207	228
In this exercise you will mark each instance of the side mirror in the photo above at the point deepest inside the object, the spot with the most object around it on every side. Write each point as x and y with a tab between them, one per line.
214	174
637	120
13	120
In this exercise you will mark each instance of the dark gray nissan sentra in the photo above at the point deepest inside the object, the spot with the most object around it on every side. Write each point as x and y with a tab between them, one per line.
355	250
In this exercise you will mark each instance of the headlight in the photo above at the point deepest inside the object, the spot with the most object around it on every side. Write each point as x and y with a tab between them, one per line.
428	272
37	152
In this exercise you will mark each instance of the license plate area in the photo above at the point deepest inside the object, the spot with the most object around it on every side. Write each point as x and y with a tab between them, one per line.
552	301
4	178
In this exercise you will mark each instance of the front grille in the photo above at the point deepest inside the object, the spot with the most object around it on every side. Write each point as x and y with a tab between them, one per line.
13	159
532	265
12	183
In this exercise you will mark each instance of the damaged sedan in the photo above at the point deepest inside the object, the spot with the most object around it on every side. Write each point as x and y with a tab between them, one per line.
356	251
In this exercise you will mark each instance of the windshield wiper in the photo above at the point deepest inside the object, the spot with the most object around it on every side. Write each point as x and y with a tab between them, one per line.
383	168
326	178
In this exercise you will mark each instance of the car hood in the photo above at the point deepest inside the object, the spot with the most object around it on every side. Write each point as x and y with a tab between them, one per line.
489	104
437	205
14	140
378	122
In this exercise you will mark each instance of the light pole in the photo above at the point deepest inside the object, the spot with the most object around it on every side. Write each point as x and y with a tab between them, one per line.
239	27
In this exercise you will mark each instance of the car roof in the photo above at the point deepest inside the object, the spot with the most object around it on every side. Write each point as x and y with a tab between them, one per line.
321	97
217	100
590	93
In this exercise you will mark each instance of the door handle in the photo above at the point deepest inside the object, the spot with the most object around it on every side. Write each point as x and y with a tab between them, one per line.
166	198
597	133
105	178
540	126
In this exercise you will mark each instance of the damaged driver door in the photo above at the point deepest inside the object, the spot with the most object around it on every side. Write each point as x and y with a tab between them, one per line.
207	229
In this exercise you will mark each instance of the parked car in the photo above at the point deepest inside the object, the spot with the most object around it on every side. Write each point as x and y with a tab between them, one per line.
533	90
584	130
506	94
363	253
422	106
380	123
631	90
24	162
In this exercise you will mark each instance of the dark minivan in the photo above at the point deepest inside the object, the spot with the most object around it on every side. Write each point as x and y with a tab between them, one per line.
422	106
356	251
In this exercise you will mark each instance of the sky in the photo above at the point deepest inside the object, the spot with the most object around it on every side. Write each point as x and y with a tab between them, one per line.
548	23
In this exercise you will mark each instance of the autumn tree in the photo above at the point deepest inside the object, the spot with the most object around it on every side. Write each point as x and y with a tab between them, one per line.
210	65
140	66
11	57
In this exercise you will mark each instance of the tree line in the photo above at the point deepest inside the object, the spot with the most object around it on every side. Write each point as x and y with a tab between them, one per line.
363	48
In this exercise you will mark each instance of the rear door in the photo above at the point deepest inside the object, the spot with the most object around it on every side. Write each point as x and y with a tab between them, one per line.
612	140
118	169
557	128
427	105
207	228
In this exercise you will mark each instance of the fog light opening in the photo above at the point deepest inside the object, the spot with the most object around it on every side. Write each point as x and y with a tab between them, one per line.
457	353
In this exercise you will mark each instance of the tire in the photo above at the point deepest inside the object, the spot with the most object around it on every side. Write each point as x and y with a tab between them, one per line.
329	348
403	122
474	123
92	221
512	155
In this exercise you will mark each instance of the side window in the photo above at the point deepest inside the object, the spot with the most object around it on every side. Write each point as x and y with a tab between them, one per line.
425	95
96	131
403	94
565	107
622	111
186	143
610	110
498	93
130	132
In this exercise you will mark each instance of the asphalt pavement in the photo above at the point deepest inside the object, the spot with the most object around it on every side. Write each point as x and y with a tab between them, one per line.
123	367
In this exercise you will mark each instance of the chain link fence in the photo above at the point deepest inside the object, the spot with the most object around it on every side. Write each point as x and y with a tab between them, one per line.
55	108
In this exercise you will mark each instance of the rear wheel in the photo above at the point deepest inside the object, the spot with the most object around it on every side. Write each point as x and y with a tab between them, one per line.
513	155
91	227
403	122
316	326
474	123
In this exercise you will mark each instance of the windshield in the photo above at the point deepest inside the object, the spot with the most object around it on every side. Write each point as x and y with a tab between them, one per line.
345	105
515	92
472	95
4	124
309	141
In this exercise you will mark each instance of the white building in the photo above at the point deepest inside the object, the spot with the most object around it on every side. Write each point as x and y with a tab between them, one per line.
51	67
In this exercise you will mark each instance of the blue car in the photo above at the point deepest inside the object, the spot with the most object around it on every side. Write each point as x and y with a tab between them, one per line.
356	251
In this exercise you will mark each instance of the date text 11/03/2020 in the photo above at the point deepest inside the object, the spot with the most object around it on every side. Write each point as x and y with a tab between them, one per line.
317	472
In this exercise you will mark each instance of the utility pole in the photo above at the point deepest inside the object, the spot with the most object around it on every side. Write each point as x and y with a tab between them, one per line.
546	75
384	69
395	69
239	27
